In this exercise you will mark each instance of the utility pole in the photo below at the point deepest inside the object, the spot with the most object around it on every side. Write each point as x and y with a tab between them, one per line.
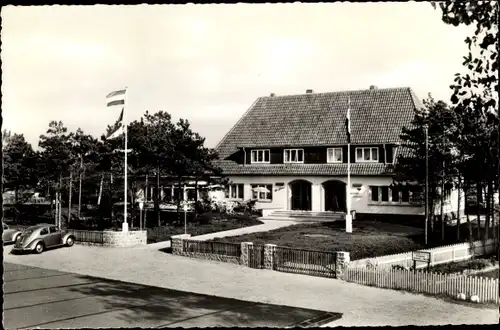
80	187
426	181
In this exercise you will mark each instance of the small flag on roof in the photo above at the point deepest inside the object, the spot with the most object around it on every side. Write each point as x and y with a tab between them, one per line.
348	121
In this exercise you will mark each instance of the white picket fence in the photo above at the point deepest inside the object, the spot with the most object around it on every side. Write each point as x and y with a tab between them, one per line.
439	255
432	283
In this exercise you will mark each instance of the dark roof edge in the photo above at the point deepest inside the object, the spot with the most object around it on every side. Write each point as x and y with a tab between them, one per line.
308	175
313	145
416	101
338	92
236	124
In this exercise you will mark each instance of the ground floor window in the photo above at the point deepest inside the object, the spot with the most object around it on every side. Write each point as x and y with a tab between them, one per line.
234	191
262	192
396	194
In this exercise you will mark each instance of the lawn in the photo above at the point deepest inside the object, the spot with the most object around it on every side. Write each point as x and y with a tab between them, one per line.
491	274
213	222
368	239
463	266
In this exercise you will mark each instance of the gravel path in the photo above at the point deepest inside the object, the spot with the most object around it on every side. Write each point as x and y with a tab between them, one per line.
360	305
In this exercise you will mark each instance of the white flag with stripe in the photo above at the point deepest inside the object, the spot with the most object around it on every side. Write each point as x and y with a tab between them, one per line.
118	129
116	98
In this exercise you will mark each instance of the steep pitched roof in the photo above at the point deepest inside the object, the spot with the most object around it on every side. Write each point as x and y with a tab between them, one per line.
318	119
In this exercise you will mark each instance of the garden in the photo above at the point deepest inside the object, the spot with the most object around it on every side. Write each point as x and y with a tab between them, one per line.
208	216
368	239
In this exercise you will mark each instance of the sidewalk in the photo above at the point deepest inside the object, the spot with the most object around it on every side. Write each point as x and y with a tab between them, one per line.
360	305
266	226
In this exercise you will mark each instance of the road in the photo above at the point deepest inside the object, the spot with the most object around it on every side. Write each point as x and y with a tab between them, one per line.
37	297
359	305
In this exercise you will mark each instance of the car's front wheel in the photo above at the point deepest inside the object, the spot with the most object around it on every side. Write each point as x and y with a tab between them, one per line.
39	248
70	241
16	238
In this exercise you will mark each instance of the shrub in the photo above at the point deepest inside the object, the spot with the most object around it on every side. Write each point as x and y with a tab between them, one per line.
205	218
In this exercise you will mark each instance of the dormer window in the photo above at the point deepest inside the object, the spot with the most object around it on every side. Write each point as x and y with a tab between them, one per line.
293	155
334	155
367	155
261	156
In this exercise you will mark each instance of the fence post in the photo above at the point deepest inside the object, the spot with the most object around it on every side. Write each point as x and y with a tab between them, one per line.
341	263
245	253
269	256
176	243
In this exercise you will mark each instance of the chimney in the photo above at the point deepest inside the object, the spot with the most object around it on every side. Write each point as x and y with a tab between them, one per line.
309	91
373	87
272	95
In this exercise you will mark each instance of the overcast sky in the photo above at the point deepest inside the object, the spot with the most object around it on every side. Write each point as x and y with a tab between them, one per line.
208	63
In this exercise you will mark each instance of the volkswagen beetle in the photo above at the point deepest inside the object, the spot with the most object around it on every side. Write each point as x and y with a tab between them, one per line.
41	237
9	234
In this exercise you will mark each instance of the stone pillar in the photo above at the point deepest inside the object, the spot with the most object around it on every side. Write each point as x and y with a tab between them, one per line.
176	243
245	258
341	264
269	256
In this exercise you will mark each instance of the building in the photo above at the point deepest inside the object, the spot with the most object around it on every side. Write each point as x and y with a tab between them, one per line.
290	152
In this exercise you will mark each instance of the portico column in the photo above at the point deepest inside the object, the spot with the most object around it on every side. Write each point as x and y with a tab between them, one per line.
316	198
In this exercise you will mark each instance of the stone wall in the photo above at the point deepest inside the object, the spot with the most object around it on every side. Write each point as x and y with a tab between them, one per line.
120	239
176	243
341	263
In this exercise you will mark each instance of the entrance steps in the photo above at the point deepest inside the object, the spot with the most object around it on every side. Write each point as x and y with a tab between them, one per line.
305	216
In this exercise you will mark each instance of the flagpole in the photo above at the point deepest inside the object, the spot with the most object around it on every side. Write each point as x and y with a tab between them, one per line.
348	217
125	129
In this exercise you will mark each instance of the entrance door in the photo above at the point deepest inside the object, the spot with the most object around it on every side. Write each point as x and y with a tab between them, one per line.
301	195
335	196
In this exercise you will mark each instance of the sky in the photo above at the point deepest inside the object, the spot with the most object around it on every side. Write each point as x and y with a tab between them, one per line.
209	63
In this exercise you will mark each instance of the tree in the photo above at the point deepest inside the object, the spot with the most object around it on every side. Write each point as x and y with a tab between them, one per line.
151	140
442	124
477	90
56	156
20	163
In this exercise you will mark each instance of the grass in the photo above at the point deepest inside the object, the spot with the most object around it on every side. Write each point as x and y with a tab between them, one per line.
461	266
212	223
491	274
368	239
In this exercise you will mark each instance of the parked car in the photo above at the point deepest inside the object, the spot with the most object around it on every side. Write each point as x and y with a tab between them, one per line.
10	234
40	237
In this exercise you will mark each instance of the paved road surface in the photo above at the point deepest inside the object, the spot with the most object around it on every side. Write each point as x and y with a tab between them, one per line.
359	305
37	297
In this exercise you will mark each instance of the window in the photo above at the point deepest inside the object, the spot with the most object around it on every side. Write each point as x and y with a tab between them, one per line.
417	195
234	191
384	193
366	154
334	155
374	193
44	231
293	155
262	192
260	156
53	230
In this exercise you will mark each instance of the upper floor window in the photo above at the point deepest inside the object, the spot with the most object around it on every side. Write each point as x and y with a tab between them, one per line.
260	156
367	154
234	191
334	155
294	155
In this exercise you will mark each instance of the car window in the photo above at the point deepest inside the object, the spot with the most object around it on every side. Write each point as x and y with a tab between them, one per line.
53	230
44	231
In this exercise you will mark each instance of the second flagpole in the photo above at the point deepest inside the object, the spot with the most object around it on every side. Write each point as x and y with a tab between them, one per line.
125	190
